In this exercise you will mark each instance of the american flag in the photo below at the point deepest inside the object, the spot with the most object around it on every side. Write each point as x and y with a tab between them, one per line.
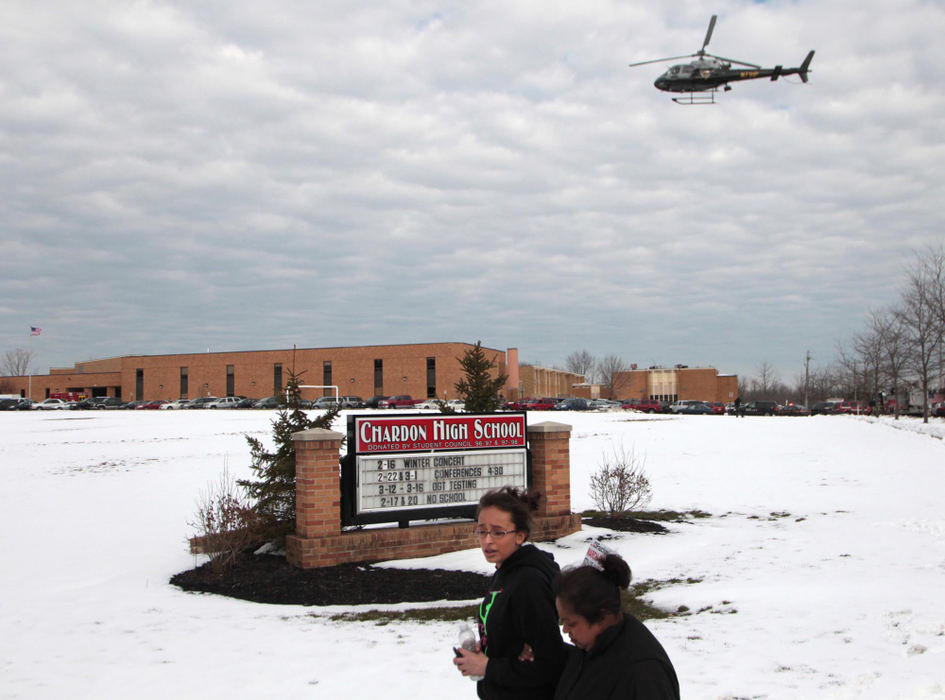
35	331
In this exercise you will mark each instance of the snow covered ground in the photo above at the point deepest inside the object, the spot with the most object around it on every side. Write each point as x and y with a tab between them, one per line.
821	571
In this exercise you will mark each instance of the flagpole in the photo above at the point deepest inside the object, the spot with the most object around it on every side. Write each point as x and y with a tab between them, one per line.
29	385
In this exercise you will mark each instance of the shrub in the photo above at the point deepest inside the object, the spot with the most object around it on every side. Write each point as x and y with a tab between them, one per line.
225	523
272	486
478	388
620	484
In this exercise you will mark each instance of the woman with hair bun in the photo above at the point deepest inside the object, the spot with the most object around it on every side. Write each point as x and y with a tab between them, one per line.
614	655
520	651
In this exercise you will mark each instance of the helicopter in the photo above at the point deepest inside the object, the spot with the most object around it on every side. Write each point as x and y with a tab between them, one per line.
702	78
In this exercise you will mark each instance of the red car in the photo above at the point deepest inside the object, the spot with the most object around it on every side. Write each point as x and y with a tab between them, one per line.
718	408
402	401
644	405
860	408
545	404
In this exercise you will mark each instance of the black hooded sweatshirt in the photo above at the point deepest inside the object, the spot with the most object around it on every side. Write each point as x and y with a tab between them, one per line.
520	609
625	663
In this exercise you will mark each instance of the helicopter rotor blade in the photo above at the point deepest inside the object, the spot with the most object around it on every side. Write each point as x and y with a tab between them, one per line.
660	60
732	60
708	34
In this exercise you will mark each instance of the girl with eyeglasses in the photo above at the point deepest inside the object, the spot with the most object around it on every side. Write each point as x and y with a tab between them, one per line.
520	649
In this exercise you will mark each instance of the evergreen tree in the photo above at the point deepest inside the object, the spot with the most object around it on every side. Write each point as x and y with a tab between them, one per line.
273	488
477	388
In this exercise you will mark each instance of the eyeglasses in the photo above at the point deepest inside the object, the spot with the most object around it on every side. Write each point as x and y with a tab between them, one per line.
482	533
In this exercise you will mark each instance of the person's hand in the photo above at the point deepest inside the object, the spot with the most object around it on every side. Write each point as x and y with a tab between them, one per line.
471	663
526	654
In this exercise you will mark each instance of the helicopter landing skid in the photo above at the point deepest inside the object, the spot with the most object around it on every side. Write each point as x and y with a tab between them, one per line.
697	98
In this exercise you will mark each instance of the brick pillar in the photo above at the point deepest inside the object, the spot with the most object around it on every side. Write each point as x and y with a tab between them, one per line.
317	479
551	466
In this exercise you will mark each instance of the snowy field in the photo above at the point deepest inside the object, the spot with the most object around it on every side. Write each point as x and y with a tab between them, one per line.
821	571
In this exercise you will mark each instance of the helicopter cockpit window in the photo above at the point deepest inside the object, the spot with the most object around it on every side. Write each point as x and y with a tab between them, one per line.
674	70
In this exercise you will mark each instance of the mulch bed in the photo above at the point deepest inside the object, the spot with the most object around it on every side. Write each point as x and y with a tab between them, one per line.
626	524
268	578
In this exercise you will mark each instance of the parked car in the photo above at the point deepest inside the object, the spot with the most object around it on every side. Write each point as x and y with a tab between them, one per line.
643	405
457	405
245	402
268	402
225	402
760	408
573	404
175	405
352	402
50	405
153	405
429	405
793	409
678	406
718	408
938	410
24	405
544	404
824	408
602	405
859	408
8	404
200	402
323	403
402	401
376	402
131	405
694	408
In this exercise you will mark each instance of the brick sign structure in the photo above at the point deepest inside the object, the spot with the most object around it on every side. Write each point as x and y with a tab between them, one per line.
319	539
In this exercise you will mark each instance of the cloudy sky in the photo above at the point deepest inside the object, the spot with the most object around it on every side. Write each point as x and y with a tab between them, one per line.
178	176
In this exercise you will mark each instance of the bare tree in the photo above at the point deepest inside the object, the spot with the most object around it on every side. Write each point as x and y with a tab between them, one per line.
16	363
933	263
922	325
888	329
581	362
868	347
612	373
766	378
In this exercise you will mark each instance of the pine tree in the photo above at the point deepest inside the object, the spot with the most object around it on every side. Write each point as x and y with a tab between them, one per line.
273	489
477	388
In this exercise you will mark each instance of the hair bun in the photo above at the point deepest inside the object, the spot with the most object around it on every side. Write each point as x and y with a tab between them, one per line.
617	571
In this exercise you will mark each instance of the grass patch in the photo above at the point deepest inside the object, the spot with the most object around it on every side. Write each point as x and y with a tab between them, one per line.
385	617
633	601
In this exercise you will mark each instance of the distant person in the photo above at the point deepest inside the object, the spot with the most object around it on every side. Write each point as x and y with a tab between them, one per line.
614	654
738	406
520	649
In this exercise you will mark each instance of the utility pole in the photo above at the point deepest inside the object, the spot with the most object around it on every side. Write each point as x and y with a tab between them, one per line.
807	380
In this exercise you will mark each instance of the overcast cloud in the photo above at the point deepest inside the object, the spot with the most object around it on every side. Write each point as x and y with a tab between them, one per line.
179	176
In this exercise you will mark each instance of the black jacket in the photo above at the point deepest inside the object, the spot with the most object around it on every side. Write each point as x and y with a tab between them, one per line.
520	609
626	662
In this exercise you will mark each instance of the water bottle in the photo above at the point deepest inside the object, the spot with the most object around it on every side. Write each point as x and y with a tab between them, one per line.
468	640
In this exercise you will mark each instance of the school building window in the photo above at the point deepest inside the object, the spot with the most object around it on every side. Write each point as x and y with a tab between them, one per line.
378	377
431	377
